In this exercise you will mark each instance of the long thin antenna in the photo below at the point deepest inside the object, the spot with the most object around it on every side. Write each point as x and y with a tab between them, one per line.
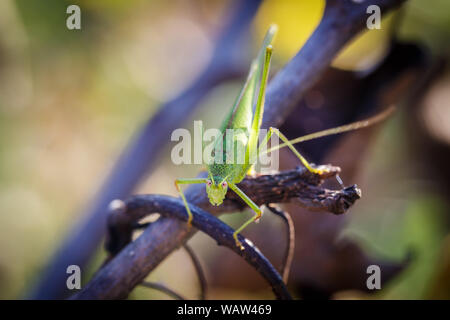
345	128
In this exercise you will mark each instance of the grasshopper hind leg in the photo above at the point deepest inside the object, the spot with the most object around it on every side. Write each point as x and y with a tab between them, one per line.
294	150
251	204
302	159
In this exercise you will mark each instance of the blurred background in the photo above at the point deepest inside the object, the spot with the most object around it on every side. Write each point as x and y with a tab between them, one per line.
70	100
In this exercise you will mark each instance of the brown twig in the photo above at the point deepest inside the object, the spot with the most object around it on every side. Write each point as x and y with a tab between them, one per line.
298	185
162	288
117	278
290	240
131	262
198	269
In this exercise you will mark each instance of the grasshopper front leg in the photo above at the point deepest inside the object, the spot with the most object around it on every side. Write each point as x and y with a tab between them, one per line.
252	205
187	181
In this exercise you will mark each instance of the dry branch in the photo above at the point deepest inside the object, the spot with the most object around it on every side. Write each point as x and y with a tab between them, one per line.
128	269
134	261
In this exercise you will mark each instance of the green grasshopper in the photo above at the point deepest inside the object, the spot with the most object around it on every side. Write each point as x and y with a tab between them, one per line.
241	117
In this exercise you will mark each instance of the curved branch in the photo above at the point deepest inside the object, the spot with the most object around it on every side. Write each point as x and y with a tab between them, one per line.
299	185
113	280
162	288
198	269
190	252
116	279
290	240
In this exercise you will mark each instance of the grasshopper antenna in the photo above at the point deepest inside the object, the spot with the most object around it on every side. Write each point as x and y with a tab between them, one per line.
341	129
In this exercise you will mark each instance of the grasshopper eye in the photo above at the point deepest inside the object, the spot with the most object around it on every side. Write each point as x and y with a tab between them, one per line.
208	183
224	184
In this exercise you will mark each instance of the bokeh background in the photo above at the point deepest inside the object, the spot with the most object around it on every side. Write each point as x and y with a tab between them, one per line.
71	100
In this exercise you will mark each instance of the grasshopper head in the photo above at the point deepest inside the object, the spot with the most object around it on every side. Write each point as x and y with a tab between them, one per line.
216	192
